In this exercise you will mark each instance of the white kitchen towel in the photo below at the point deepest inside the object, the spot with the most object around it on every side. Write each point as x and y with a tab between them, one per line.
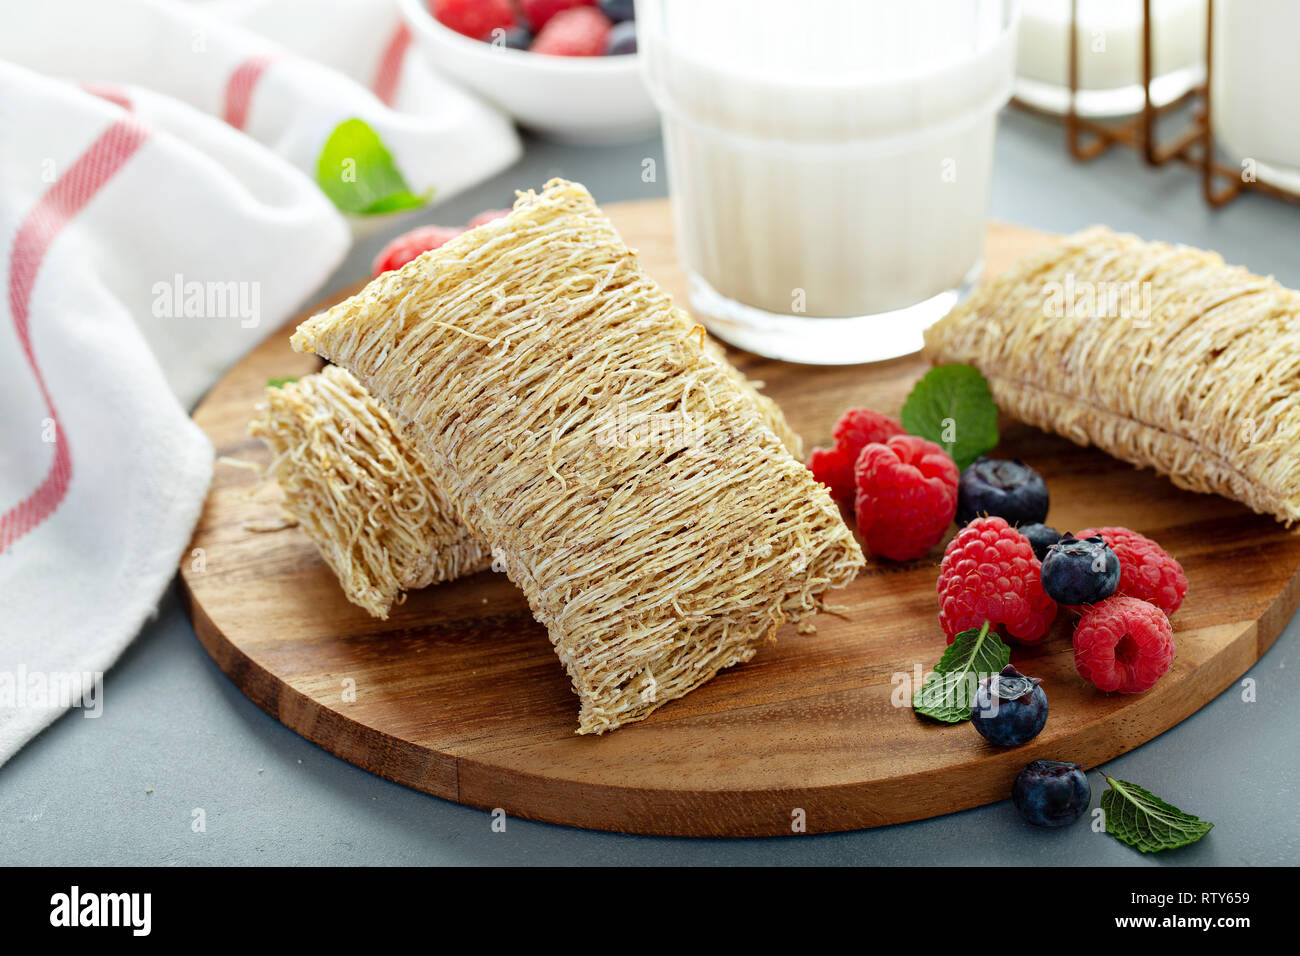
283	95
159	214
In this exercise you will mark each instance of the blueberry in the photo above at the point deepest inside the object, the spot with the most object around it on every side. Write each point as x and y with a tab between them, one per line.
1010	708
1041	537
1080	572
516	38
1008	489
622	39
618	10
1051	793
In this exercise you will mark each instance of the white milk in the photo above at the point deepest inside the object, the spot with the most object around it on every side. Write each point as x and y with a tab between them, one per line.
1256	107
1109	45
829	162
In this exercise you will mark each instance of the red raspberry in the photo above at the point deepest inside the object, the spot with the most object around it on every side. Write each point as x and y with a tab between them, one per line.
409	245
488	215
474	18
907	496
1146	570
834	469
1123	644
857	427
989	573
538	12
580	31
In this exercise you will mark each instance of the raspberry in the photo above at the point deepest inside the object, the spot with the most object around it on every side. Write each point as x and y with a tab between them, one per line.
1146	570
488	215
474	18
579	31
1123	644
410	245
906	496
857	427
989	573
539	12
834	469
861	426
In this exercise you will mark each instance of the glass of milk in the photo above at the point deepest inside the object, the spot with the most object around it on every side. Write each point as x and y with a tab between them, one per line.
828	162
1108	44
1256	85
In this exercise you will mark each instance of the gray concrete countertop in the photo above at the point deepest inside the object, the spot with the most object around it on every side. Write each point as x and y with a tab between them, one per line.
176	735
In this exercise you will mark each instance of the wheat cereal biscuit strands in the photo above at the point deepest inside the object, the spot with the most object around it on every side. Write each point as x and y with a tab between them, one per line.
1160	355
624	478
341	491
359	491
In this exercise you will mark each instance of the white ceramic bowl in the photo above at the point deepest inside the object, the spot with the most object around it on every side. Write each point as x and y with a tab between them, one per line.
575	99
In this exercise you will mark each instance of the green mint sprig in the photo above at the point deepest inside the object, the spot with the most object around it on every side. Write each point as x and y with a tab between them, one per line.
1142	820
952	406
280	382
357	172
948	693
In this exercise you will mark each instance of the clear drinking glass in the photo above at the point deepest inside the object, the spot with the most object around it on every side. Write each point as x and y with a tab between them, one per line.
1108	45
1256	81
828	163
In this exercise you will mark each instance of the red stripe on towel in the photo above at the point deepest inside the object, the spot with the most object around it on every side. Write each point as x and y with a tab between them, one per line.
240	86
54	210
390	65
113	94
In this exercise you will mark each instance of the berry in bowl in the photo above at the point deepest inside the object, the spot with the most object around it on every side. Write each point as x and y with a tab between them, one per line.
564	68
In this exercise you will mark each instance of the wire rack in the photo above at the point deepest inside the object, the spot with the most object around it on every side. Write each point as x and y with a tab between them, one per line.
1087	138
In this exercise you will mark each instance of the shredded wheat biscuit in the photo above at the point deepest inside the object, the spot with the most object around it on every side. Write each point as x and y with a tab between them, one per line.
360	492
307	424
1160	355
532	359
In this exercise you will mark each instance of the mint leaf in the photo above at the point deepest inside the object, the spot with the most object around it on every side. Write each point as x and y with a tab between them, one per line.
1142	820
952	406
949	692
280	382
356	171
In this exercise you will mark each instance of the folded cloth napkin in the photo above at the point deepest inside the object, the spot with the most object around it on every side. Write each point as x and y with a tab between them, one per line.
164	203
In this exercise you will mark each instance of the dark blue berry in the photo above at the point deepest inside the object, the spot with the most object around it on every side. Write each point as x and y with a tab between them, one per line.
1041	536
1051	793
516	38
1080	572
1008	489
618	10
1010	708
622	39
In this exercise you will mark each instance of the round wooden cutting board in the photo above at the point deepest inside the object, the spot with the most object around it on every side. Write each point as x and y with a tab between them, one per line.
459	694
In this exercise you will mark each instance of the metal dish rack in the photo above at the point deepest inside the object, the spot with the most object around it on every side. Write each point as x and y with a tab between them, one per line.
1194	146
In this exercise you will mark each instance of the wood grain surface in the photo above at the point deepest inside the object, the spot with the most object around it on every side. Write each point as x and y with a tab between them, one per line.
459	694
